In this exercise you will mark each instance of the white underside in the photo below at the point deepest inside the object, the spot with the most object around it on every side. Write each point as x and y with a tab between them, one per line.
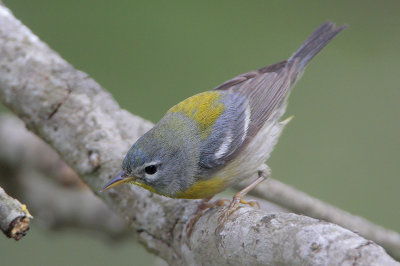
254	156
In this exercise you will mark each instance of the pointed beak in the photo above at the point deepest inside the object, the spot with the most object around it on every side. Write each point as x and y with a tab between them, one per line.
121	178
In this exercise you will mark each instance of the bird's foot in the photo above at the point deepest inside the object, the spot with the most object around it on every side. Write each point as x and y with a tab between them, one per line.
201	208
233	206
204	205
263	173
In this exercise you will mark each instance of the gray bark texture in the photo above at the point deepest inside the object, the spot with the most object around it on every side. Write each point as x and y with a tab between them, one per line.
14	216
55	194
299	202
84	124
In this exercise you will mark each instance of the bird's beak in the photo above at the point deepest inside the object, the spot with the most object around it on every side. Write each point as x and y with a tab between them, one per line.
121	178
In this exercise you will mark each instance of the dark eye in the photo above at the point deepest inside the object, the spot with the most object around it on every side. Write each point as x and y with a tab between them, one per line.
151	169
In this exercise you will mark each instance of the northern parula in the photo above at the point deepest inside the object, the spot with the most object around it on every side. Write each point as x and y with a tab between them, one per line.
218	138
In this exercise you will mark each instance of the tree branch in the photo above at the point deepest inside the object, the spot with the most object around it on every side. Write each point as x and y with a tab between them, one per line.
14	216
85	125
55	193
59	208
299	202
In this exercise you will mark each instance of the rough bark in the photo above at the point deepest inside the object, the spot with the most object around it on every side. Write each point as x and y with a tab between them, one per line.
55	194
14	216
301	203
85	125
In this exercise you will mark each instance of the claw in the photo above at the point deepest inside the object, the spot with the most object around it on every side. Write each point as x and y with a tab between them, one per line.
252	203
233	206
238	198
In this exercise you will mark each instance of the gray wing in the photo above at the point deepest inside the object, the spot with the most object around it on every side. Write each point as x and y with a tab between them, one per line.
266	89
256	95
227	135
244	115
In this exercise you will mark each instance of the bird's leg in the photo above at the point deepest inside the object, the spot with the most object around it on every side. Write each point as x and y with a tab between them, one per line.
204	205
263	174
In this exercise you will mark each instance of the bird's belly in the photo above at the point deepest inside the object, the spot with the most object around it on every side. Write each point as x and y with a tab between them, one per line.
226	177
204	188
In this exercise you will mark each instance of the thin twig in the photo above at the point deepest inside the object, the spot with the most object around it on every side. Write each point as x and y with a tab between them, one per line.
14	216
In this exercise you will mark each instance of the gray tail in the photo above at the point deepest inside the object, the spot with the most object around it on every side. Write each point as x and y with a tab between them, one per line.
317	40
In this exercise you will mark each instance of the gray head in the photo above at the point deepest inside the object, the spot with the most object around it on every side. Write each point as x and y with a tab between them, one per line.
163	160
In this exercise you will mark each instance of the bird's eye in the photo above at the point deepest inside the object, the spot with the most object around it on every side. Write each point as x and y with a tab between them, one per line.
151	169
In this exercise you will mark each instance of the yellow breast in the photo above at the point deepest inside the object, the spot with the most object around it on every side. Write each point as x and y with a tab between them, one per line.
203	189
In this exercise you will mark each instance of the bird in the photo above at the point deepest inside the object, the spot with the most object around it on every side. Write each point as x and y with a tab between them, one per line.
215	139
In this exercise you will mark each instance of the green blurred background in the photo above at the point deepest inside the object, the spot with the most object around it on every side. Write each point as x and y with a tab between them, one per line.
343	145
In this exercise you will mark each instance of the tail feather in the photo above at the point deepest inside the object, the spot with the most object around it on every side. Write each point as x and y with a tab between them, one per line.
314	43
268	88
